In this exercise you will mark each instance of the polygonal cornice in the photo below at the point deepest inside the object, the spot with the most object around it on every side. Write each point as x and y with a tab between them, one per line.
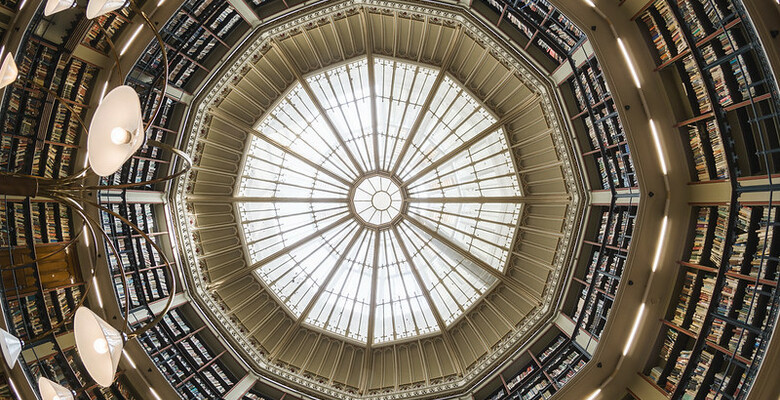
214	253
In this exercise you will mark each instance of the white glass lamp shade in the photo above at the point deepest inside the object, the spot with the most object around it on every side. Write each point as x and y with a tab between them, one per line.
116	131
99	345
11	347
8	71
51	390
55	6
96	8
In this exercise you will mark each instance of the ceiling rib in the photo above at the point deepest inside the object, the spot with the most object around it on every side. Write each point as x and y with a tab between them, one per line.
503	278
274	354
218	113
448	341
310	92
210	199
369	44
308	162
533	199
427	105
524	106
367	357
247	270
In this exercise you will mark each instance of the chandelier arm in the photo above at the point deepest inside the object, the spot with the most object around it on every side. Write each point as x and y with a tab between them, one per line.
80	174
115	252
164	53
113	52
161	145
169	267
74	206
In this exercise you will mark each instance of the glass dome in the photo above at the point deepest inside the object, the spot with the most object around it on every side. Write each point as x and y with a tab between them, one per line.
383	226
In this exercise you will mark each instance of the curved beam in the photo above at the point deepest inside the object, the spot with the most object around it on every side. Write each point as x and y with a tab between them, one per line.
428	100
369	45
501	277
516	112
320	108
249	268
284	342
449	342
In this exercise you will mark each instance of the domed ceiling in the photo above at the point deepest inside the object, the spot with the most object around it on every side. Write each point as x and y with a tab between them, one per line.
382	202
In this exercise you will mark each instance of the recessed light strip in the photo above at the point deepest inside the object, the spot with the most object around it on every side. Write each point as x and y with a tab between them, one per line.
130	41
634	329
630	64
658	149
129	360
13	387
103	92
660	245
97	291
594	394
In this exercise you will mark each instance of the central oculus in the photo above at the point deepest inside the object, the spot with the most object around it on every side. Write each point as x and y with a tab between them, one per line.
377	200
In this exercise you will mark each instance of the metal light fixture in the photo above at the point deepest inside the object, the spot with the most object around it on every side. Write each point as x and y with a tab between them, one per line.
99	344
96	8
11	347
55	6
8	71
51	390
115	133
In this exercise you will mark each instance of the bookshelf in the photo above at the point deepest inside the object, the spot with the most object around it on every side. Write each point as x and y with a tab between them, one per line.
541	29
555	42
726	102
40	136
596	280
539	371
184	356
716	326
113	23
143	266
556	356
254	395
196	37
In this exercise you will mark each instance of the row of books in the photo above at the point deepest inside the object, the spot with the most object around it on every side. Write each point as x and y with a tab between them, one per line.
738	308
600	279
543	25
619	229
143	266
596	110
50	223
185	360
253	395
547	369
113	24
721	75
705	137
760	232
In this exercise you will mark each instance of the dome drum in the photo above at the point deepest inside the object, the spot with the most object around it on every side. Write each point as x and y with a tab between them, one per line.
398	192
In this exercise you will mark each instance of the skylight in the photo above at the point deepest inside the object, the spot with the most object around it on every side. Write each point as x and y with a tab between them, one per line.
393	225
